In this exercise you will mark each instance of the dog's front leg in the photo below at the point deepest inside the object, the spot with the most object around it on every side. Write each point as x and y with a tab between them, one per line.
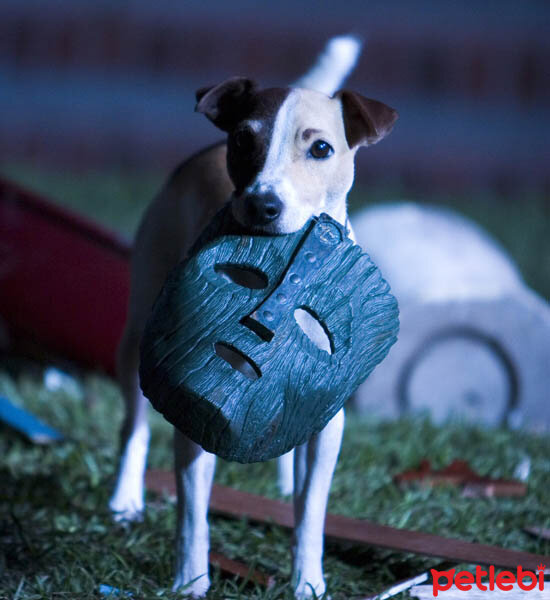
285	473
313	469
194	474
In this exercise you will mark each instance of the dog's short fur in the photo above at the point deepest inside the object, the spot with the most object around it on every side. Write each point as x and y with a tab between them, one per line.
289	155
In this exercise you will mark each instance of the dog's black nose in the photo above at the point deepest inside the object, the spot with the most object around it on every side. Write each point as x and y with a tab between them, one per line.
262	209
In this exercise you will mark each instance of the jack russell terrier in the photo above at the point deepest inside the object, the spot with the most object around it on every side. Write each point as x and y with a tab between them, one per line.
289	156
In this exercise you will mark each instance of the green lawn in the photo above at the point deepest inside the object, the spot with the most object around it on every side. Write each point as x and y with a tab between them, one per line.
57	539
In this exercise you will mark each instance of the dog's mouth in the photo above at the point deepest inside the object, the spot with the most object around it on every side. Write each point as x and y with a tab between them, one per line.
271	229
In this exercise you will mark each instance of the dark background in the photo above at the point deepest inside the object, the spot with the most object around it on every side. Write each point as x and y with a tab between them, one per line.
108	88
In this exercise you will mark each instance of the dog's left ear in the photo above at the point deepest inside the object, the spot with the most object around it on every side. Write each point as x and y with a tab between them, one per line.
226	103
366	121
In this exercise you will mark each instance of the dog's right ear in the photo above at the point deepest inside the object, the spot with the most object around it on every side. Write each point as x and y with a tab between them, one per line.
366	121
226	104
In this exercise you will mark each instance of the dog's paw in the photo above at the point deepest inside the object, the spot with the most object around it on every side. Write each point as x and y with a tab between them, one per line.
310	587
195	588
126	509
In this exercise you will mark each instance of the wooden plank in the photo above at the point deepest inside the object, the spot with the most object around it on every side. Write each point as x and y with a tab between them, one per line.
233	503
234	567
428	544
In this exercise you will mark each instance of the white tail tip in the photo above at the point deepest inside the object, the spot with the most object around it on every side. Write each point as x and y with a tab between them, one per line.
334	64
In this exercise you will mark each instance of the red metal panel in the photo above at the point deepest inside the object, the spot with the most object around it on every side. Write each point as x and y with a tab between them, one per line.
63	280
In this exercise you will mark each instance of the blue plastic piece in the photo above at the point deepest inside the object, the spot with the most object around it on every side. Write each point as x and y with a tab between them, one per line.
107	590
27	424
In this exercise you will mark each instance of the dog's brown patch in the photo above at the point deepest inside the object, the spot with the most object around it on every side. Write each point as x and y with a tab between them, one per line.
248	116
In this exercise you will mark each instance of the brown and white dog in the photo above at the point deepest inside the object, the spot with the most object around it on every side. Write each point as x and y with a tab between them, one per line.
289	155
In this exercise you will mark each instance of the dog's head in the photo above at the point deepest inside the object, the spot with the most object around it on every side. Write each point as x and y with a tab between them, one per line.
290	152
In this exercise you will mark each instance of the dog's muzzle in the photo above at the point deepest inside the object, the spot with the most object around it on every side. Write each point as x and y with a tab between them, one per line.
262	208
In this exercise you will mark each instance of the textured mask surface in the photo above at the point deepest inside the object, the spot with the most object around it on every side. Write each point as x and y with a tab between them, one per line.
293	387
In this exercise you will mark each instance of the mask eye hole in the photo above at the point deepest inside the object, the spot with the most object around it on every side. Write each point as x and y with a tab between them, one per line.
243	275
238	360
314	329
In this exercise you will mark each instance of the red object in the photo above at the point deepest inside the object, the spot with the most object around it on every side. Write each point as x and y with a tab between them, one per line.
460	473
64	281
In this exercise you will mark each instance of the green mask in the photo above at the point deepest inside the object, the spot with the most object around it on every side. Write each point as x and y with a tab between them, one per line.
235	302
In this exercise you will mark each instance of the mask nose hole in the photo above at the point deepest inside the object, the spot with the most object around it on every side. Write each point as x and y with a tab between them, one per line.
239	361
314	329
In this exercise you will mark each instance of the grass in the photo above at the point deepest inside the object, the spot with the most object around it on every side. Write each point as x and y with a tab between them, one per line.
57	539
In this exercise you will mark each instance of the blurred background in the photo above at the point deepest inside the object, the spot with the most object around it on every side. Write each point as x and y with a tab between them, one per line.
110	84
97	98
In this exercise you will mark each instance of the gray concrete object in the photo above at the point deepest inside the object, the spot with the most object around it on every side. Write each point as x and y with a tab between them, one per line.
474	342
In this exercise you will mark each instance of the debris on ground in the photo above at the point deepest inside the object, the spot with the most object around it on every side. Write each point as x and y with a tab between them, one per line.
459	473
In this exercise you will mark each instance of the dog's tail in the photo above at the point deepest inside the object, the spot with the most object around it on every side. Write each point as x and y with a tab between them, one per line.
333	65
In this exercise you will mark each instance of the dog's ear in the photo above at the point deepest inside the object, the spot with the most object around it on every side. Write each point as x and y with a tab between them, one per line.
226	103
366	121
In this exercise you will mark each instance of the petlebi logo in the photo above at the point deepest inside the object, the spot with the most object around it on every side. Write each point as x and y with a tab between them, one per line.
505	580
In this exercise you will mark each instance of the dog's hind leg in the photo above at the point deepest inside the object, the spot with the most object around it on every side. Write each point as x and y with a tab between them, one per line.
127	499
194	474
314	466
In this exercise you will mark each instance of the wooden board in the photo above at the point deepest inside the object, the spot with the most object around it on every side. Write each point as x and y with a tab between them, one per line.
233	503
234	567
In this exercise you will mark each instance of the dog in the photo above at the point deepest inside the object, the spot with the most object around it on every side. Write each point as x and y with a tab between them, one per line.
289	156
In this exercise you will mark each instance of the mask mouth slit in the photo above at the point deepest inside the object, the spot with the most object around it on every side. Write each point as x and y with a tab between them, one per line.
258	328
314	329
239	361
243	275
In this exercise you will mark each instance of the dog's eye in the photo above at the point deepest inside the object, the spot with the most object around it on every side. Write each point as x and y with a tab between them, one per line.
320	149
